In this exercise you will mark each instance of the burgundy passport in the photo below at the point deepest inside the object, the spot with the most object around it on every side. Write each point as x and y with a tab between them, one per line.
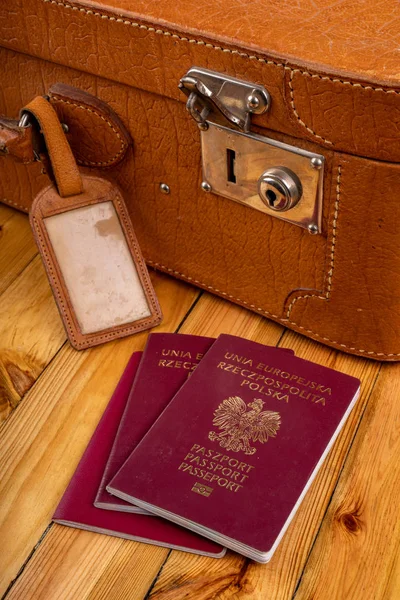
234	453
168	359
76	507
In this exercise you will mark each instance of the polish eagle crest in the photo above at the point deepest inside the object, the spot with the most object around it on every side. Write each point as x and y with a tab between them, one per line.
240	424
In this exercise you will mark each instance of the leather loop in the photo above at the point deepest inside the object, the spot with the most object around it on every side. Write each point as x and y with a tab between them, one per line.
96	135
65	169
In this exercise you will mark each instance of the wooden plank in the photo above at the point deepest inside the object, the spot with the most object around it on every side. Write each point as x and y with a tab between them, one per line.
6	212
70	377
185	575
31	334
17	247
213	316
359	539
205	578
99	563
42	442
202	579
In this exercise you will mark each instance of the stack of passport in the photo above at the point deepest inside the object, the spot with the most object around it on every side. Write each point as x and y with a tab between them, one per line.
208	444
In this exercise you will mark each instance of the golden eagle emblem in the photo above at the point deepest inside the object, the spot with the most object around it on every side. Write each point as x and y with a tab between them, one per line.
240	426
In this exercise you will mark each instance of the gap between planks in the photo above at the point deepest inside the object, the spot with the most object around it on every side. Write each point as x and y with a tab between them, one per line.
349	449
212	316
202	579
236	318
176	298
228	317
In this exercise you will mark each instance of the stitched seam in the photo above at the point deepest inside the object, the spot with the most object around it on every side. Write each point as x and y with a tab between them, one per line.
343	81
265	61
332	253
326	78
25	161
6	201
164	32
141	265
261	310
292	103
215	47
153	321
210	287
53	277
90	110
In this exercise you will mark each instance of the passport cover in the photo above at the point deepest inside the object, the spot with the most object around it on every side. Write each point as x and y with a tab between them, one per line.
235	451
168	359
76	506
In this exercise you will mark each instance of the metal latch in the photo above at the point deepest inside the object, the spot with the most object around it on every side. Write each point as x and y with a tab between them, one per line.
275	178
211	95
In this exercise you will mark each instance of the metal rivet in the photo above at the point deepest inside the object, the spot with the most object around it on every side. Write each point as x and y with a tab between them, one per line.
253	102
312	228
317	163
205	186
65	127
164	188
203	126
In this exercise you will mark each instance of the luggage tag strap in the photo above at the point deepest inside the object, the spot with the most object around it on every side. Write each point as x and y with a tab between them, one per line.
63	164
88	246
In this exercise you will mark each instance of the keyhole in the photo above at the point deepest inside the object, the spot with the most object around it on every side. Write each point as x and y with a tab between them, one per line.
271	196
230	163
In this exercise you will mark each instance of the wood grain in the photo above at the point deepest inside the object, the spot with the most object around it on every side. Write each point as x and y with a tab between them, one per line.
17	247
31	334
63	438
213	316
359	539
343	543
279	578
88	565
42	442
6	212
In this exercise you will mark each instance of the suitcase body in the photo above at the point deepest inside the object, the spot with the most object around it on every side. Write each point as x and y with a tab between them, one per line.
332	94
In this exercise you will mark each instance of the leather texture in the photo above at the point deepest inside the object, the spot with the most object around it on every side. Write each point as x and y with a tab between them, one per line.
84	117
63	163
97	298
151	49
96	134
15	141
341	287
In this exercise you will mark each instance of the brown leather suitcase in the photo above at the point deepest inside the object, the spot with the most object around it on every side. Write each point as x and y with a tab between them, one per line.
278	188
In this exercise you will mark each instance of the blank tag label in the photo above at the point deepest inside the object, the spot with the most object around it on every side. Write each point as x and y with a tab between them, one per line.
97	267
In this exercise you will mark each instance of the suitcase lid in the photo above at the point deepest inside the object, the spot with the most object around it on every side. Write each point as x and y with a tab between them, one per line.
353	37
331	69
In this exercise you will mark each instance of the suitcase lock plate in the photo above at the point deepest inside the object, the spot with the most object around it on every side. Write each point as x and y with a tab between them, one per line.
277	179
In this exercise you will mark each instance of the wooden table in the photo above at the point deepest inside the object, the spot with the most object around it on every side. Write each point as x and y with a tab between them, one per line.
342	544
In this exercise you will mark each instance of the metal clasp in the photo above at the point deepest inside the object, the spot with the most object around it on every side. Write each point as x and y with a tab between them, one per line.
219	98
277	179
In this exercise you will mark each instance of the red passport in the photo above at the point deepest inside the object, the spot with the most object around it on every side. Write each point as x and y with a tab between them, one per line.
167	361
76	507
234	453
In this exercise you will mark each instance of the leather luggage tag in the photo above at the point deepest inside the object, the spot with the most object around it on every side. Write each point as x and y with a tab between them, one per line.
88	246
